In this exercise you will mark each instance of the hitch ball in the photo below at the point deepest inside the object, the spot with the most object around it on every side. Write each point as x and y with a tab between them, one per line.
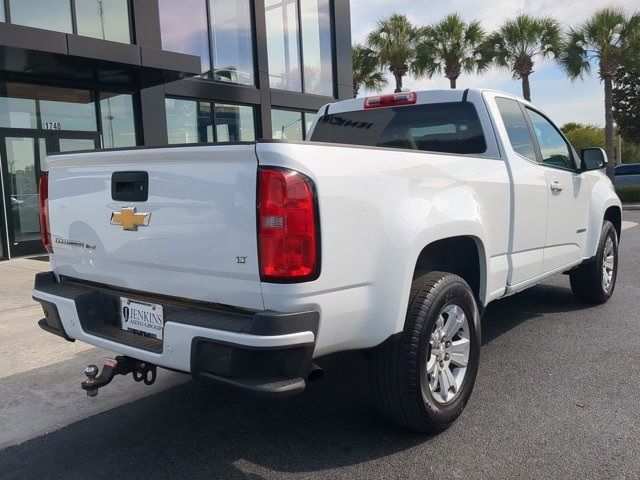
91	372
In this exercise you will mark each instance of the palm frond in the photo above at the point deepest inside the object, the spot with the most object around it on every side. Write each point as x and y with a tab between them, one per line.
575	59
394	39
451	46
366	70
602	39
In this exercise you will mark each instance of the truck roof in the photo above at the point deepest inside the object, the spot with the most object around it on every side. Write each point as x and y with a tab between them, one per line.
423	96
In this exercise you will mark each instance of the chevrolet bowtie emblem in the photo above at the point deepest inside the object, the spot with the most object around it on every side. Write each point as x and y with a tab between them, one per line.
129	219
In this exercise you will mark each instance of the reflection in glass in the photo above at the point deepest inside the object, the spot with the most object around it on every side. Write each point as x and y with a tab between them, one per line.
184	28
118	124
66	109
23	193
232	41
76	144
42	154
105	19
205	122
3	18
234	123
190	121
309	118
287	125
47	14
17	113
182	120
316	46
517	128
553	147
282	44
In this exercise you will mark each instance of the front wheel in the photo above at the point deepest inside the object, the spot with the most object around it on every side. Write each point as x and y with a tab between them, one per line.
594	282
423	378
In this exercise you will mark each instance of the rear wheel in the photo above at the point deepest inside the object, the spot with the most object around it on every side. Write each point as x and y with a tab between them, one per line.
594	281
423	378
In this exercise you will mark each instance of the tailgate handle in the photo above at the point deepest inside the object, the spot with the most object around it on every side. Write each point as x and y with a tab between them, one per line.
130	186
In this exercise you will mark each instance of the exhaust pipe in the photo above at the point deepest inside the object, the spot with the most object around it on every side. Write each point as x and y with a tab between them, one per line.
315	373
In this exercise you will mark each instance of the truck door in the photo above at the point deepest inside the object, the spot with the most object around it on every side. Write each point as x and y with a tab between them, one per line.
529	193
567	192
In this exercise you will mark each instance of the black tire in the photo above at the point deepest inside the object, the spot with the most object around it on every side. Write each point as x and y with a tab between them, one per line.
398	369
587	280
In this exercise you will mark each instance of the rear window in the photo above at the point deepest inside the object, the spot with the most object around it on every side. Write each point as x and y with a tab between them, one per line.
439	127
633	169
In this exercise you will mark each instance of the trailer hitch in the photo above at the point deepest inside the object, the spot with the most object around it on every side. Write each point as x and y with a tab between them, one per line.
121	365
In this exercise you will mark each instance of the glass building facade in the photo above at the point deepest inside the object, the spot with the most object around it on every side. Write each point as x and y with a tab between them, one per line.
216	71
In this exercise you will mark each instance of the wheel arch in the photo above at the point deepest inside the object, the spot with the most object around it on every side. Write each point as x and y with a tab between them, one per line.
614	215
463	255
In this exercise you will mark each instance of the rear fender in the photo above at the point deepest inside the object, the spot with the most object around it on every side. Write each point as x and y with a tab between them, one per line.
437	232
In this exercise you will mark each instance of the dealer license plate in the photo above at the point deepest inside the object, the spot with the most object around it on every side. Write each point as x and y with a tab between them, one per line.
142	318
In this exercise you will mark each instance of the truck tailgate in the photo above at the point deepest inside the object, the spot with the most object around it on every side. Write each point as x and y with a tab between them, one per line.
200	241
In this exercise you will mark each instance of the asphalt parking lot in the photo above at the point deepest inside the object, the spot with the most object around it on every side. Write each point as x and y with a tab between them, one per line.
557	396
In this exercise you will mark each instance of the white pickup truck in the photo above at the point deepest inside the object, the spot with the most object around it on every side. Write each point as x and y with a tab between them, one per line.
387	232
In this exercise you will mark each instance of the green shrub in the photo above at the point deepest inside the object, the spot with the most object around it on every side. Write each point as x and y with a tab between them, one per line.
629	194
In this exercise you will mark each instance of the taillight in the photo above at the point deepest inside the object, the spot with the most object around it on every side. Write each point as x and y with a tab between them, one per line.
391	100
43	211
288	234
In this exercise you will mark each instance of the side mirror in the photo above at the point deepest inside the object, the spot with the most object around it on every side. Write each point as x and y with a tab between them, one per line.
593	159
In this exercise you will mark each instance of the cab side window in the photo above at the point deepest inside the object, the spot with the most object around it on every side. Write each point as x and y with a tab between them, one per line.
517	128
553	147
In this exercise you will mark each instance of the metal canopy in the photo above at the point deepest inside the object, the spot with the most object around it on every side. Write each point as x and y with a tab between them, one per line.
32	53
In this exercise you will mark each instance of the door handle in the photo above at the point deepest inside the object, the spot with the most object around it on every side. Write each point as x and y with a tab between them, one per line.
556	186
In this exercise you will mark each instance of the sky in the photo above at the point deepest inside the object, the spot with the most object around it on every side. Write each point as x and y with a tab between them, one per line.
563	100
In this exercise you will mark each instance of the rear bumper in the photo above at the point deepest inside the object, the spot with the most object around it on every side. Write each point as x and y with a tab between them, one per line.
264	352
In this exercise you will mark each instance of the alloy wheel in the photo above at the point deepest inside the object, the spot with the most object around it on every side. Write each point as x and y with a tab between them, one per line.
448	356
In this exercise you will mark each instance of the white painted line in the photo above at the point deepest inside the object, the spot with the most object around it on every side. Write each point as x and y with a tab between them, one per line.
626	225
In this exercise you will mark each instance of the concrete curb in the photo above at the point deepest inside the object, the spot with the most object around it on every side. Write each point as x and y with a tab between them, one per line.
631	206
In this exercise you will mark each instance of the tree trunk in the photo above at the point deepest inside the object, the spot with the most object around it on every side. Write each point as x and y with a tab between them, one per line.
452	83
356	90
398	82
608	124
526	88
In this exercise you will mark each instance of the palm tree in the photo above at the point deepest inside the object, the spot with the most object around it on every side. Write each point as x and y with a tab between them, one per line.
366	70
450	46
520	41
604	39
394	40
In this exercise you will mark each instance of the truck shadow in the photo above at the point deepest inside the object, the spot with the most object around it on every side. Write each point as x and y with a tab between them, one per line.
197	430
507	313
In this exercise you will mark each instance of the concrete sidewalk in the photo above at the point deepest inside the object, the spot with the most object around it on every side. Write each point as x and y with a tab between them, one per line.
40	373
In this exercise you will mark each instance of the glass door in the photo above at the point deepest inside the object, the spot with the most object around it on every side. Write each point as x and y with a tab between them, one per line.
23	154
22	157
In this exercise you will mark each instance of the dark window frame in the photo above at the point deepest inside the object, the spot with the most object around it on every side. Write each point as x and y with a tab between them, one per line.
300	42
305	132
74	19
132	38
213	103
254	47
95	96
137	112
211	44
